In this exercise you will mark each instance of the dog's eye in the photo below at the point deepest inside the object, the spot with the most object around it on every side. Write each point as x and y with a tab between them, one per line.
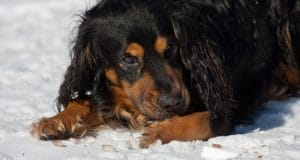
170	50
131	60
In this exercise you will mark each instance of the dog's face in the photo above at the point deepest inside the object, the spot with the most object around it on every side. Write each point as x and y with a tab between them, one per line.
151	76
142	57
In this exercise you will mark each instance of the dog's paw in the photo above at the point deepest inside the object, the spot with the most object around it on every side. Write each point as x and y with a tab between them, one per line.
191	127
138	123
149	136
58	127
156	131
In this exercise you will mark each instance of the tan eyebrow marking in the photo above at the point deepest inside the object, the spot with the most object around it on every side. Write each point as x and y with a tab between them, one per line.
160	45
135	49
111	75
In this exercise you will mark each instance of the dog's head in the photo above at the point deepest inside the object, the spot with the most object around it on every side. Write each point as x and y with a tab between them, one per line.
134	49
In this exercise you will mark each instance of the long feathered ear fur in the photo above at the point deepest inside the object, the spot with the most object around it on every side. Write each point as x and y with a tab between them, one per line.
288	37
87	61
201	58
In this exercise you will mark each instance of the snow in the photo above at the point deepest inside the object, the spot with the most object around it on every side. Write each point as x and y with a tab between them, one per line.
217	154
34	45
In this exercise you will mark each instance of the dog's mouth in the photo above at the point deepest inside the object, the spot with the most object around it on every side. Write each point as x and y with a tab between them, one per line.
154	111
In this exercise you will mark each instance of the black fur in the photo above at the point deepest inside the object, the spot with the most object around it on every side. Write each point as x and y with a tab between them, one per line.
229	51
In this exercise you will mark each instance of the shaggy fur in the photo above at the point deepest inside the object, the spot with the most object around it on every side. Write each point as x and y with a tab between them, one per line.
216	61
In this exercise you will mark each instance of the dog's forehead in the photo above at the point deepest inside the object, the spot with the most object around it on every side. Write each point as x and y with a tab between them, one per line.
134	25
139	48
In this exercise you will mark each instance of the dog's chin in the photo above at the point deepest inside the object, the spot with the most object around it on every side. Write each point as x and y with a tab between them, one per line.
161	114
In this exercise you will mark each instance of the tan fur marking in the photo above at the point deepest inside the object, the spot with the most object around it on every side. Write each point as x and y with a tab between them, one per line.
74	121
112	76
126	109
176	75
136	50
139	87
144	89
160	45
88	55
191	127
290	75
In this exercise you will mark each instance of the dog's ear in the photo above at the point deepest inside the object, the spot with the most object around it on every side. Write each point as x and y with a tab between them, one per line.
187	37
201	58
87	61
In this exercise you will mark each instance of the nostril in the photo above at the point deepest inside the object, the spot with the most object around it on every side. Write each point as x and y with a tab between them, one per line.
170	103
168	108
178	99
178	103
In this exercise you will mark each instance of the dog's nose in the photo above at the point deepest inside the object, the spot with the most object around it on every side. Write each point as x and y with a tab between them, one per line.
170	103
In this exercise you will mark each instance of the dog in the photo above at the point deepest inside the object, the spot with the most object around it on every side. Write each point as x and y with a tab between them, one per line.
177	69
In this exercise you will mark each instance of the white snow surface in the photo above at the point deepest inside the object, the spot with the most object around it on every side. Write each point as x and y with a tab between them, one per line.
34	46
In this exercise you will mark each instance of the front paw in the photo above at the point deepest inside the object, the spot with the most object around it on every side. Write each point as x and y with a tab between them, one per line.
156	131
190	127
58	128
138	123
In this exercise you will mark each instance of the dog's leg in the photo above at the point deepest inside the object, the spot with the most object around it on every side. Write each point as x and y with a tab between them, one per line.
291	75
286	83
125	109
75	121
287	80
191	127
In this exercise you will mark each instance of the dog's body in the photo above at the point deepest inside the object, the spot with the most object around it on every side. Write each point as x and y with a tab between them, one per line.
211	62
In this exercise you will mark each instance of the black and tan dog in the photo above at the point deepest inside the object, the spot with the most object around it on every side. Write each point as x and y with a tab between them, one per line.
196	67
